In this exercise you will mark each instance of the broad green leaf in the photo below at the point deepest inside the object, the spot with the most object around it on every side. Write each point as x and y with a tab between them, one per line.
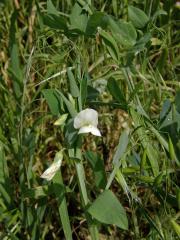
107	209
116	92
141	43
138	17
78	18
52	100
56	22
123	32
97	19
73	85
110	43
97	166
51	8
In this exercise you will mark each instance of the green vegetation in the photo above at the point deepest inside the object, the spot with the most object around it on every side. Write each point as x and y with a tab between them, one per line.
121	58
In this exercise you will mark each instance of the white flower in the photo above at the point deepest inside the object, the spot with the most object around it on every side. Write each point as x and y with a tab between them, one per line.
86	121
51	171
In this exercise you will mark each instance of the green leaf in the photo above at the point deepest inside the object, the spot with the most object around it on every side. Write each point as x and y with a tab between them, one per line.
158	13
117	159
123	32
165	108
168	120
176	227
97	166
5	184
12	30
147	143
16	71
4	173
97	19
177	101
52	100
121	148
141	43
107	209
68	104
51	9
162	61
83	90
116	92
138	17
171	150
15	63
110	43
70	134
78	18
73	85
92	93
56	22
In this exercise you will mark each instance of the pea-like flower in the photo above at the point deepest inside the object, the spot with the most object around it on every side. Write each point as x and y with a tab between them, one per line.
86	121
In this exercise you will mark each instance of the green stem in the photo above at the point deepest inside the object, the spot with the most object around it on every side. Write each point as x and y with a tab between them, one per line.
83	191
59	189
82	187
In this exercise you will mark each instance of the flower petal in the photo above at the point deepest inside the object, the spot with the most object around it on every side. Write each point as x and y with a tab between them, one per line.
51	171
86	117
95	131
86	129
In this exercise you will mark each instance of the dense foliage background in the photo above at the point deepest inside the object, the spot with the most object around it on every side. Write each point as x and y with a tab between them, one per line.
128	54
